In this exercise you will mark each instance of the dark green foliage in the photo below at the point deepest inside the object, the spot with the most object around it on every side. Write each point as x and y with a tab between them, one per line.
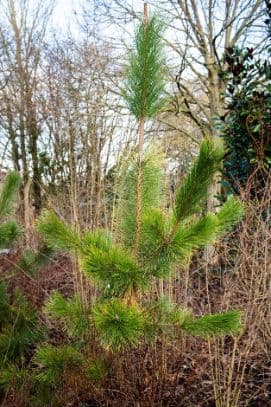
246	125
97	370
59	366
20	328
144	87
4	298
9	232
118	324
20	332
13	376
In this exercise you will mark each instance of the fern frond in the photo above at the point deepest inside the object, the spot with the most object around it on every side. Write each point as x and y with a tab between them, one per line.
144	87
9	192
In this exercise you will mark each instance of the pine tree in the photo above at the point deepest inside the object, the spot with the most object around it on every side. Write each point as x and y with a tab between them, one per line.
20	329
9	230
151	240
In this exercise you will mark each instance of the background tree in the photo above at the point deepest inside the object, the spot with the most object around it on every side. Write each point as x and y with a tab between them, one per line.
77	113
22	37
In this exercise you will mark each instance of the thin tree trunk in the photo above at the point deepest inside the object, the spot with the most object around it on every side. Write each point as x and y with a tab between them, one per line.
141	131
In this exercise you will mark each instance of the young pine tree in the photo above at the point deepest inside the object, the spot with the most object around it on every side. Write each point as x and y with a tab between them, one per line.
151	240
19	325
9	229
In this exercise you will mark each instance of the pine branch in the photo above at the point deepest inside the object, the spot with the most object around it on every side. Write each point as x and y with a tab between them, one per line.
214	324
54	361
150	197
194	190
208	229
57	234
9	192
74	314
162	249
9	232
230	213
114	270
119	325
164	316
31	261
100	238
168	318
144	87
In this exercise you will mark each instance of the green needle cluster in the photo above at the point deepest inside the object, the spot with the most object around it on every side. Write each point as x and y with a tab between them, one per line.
144	87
